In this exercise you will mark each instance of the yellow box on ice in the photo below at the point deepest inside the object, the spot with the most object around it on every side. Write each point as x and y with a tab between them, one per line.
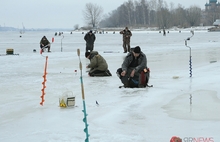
9	51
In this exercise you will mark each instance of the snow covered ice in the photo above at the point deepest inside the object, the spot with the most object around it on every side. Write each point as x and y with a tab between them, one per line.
177	105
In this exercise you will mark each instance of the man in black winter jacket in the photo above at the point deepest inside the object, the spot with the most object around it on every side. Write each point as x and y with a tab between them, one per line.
90	39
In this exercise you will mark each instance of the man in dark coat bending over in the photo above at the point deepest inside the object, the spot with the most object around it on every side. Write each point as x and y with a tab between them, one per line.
44	43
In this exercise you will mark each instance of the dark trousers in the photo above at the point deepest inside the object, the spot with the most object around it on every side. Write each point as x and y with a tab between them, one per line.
95	72
43	47
100	73
126	46
89	47
139	80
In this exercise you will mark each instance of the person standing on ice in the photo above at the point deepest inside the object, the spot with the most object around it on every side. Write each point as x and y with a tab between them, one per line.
98	65
44	43
90	39
134	71
126	39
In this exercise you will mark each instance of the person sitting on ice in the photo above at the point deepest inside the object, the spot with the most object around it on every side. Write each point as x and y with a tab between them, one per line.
44	43
98	65
134	71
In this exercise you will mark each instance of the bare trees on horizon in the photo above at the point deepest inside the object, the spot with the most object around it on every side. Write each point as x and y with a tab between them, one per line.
149	13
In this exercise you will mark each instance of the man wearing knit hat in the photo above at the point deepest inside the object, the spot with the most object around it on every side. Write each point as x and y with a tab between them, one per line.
98	65
134	64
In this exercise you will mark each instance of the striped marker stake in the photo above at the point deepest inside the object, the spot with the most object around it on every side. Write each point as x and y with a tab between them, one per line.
83	98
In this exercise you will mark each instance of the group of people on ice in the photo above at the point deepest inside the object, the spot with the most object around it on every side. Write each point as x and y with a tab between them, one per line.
133	72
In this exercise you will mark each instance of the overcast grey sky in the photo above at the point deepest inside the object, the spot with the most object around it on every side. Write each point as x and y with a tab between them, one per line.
60	13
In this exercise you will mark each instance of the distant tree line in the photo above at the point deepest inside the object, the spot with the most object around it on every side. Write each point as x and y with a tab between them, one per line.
144	13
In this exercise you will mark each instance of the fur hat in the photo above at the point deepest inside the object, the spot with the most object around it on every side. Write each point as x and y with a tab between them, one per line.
137	49
87	54
90	31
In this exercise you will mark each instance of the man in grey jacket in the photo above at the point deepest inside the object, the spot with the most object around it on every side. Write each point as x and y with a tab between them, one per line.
129	73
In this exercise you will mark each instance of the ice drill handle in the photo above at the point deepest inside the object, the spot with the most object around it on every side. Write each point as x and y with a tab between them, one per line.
78	52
